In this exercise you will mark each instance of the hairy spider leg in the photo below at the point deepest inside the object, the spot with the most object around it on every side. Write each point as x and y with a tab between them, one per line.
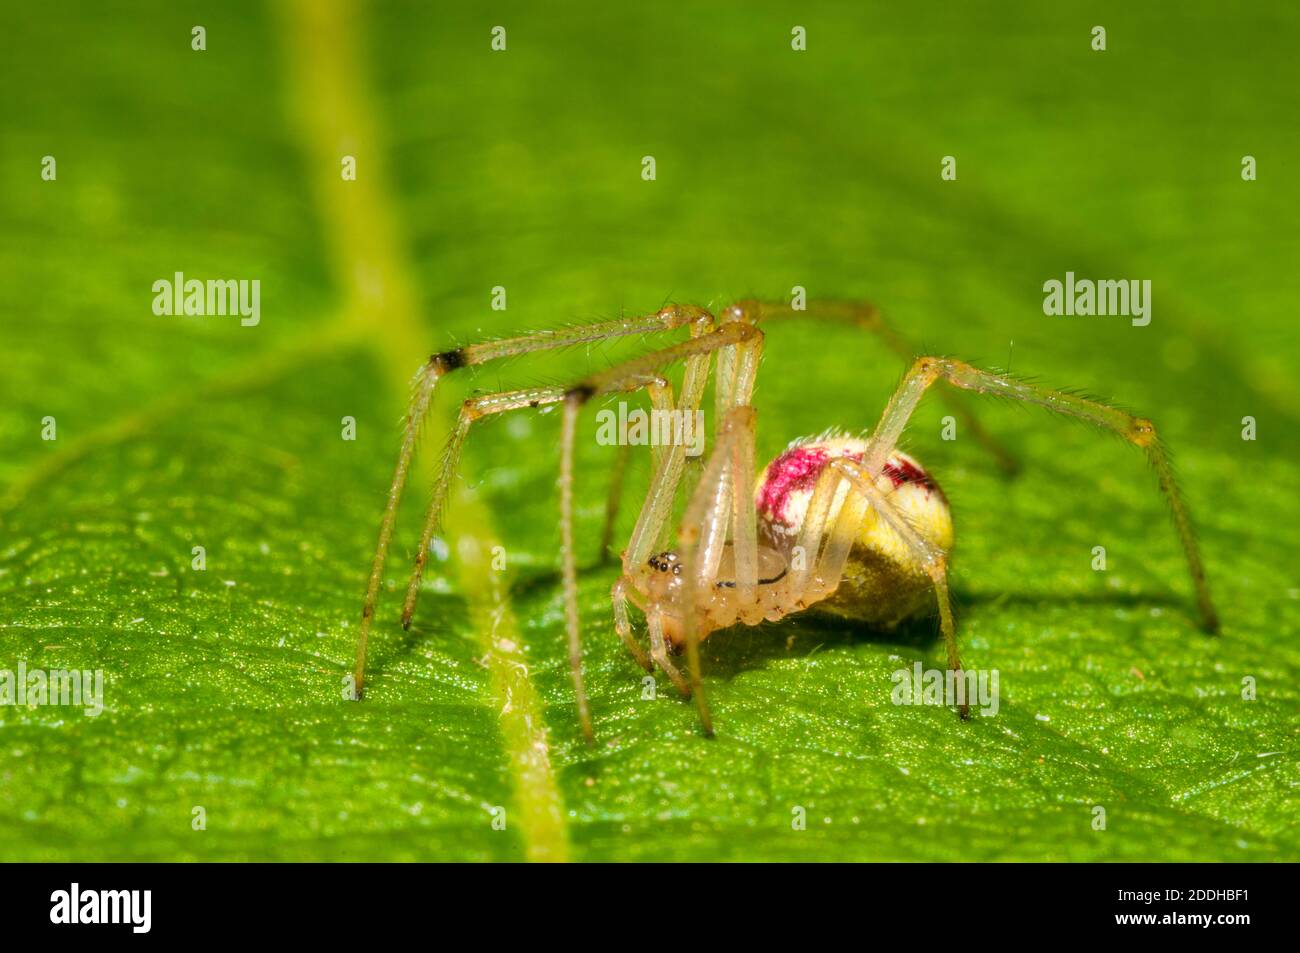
866	316
826	537
717	500
425	381
634	374
671	480
667	463
614	497
860	314
622	377
627	369
931	558
475	410
1136	430
620	595
721	500
662	401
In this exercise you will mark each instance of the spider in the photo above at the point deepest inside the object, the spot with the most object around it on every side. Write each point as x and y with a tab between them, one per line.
848	526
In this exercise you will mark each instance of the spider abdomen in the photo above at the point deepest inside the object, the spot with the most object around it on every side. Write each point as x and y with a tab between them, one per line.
883	583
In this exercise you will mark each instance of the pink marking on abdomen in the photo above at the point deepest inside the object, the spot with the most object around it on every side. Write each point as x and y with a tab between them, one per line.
798	468
795	470
905	471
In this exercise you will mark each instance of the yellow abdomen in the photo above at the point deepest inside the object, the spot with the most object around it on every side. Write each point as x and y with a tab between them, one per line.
883	583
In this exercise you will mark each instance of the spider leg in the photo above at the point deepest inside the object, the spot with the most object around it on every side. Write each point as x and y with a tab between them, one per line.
476	409
425	381
832	531
616	379
659	652
744	516
440	364
652	523
614	499
623	626
722	499
932	559
1136	430
633	374
714	505
836	531
639	370
658	505
572	631
655	511
865	315
661	399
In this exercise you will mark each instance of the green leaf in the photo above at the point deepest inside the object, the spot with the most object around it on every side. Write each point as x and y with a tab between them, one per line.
775	168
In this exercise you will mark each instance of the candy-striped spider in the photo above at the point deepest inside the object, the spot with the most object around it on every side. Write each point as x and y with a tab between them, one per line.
851	526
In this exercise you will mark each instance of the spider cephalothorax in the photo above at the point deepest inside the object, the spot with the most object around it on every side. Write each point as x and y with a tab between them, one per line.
846	525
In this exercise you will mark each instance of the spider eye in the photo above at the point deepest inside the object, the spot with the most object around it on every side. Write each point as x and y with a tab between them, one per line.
664	562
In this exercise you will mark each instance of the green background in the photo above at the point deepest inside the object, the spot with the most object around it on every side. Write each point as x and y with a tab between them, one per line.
522	169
